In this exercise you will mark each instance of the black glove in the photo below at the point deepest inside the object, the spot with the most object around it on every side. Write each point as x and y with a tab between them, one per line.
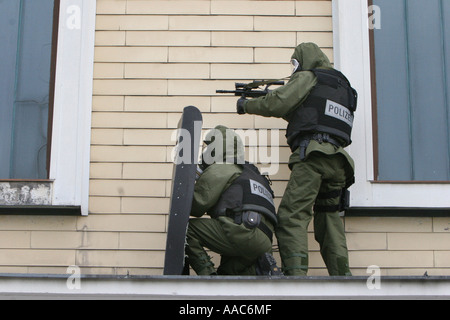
240	105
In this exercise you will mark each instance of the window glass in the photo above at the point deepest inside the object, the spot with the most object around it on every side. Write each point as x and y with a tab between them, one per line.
25	73
412	58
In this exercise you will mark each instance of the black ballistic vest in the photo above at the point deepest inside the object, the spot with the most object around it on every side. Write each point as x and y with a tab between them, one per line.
328	109
249	192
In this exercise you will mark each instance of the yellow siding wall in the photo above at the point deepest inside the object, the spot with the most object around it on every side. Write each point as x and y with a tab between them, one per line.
153	58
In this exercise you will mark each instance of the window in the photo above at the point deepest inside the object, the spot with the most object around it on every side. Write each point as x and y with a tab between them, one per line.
352	55
25	87
412	63
70	84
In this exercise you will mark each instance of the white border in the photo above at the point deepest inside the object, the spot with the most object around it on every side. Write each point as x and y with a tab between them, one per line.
352	57
70	153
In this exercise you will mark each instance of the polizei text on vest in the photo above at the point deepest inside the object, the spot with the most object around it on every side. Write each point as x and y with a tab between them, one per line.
338	111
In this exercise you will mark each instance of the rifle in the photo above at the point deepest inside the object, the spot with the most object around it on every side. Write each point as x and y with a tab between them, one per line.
252	89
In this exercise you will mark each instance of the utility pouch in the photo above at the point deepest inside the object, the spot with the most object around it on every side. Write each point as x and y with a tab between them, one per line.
251	219
344	204
303	146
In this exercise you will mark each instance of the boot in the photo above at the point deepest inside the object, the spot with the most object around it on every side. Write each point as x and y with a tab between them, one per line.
266	265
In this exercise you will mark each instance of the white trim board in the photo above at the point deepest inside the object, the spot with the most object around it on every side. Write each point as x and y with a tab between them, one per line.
70	154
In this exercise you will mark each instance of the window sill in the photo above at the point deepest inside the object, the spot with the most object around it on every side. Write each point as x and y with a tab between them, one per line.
41	210
32	197
408	182
26	192
397	212
25	180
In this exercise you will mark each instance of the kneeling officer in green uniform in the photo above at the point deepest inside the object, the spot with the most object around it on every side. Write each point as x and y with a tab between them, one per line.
318	102
239	201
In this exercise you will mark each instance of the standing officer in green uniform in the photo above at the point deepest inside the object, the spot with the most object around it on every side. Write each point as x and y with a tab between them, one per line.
240	202
318	102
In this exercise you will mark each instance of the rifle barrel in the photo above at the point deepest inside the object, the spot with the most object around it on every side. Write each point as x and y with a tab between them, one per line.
225	91
246	93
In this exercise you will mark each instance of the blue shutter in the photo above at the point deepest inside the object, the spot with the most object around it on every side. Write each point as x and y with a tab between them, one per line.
9	24
24	87
412	51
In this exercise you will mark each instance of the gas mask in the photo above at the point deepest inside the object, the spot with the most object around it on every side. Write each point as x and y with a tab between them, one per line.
295	66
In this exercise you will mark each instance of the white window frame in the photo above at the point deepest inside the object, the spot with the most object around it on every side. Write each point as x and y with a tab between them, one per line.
352	57
71	137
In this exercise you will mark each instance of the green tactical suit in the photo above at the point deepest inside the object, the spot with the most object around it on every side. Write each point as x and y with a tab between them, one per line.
238	246
325	169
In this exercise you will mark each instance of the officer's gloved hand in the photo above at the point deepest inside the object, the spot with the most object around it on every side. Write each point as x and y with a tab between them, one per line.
240	105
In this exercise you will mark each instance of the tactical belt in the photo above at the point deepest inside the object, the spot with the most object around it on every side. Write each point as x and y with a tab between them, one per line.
237	217
320	137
